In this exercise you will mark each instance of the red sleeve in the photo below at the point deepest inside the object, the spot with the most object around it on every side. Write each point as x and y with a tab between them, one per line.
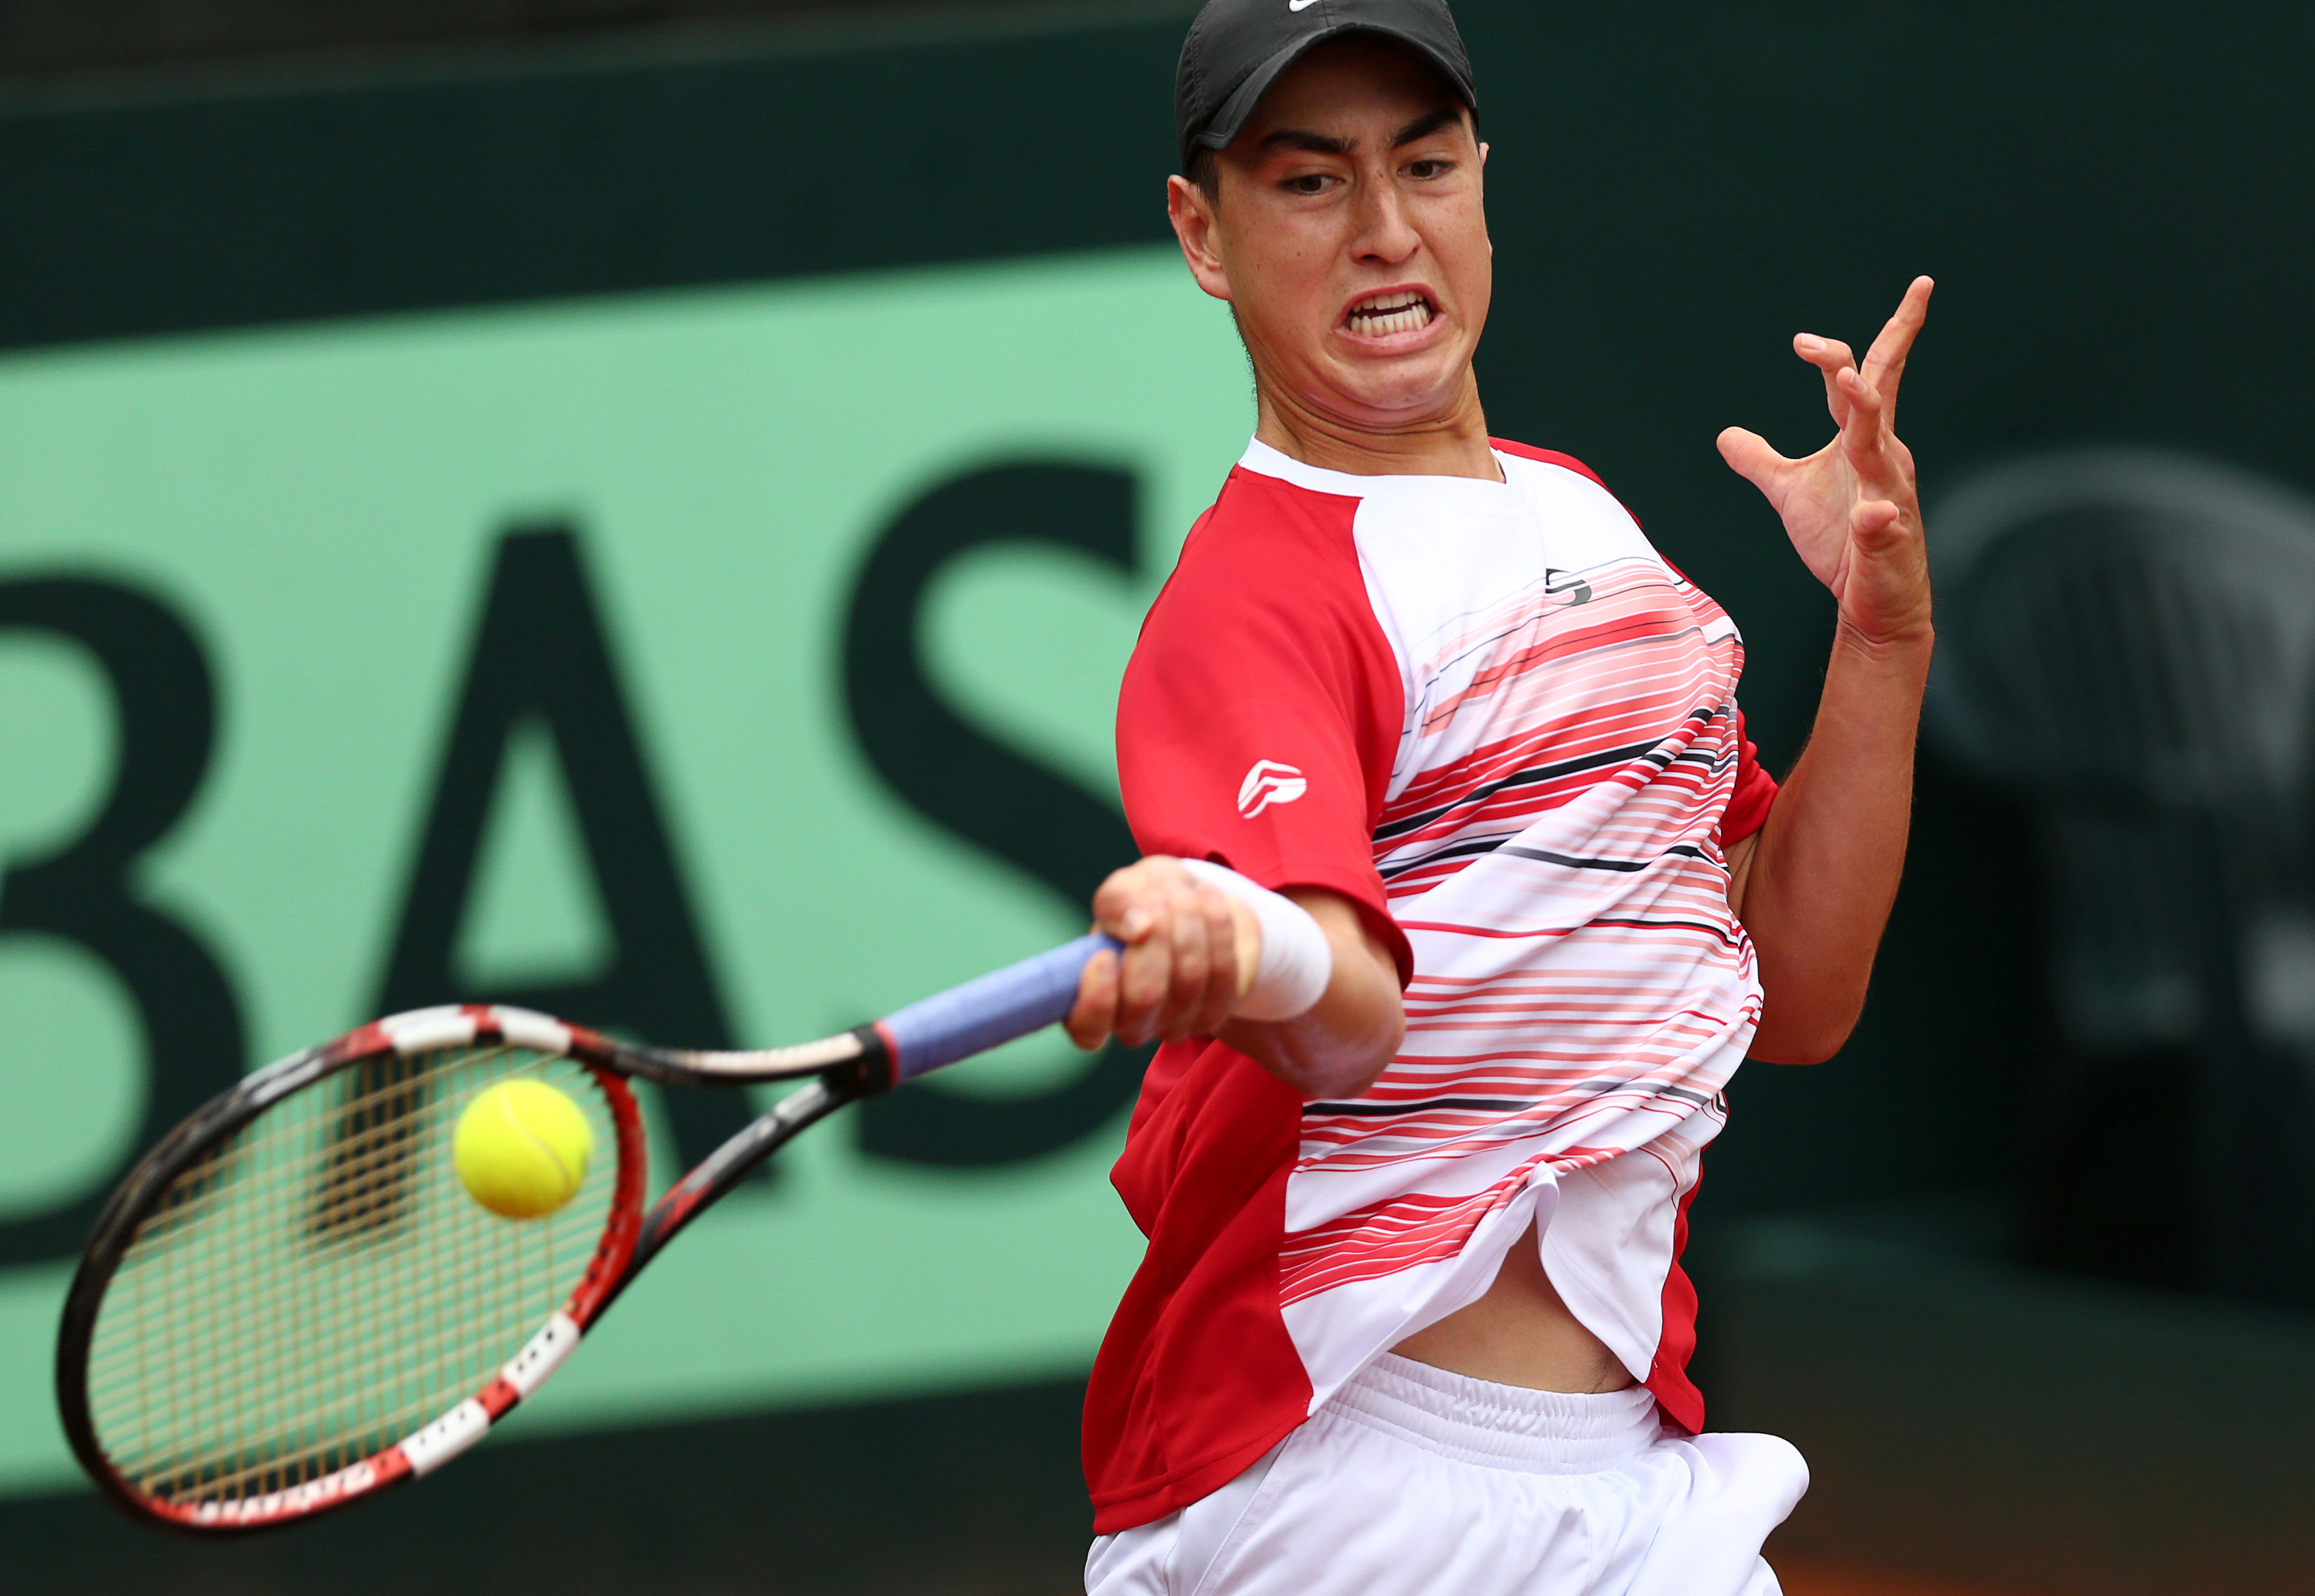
1262	708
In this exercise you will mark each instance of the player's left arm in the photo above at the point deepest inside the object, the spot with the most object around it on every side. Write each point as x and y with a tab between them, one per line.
1814	885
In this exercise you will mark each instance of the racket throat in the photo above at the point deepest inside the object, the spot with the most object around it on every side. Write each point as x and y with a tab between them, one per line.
725	1167
877	1069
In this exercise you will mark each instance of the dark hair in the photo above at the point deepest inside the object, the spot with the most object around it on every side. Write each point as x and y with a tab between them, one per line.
1206	173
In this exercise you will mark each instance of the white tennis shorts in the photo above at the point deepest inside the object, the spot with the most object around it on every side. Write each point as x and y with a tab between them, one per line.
1412	1481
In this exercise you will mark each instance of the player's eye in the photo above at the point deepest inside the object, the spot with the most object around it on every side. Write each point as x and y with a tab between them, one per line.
1307	183
1429	168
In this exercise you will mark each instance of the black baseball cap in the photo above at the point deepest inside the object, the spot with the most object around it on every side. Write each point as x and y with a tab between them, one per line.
1237	48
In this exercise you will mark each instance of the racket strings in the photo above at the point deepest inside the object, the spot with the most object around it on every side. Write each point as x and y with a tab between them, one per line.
183	1298
388	1141
186	1204
322	1285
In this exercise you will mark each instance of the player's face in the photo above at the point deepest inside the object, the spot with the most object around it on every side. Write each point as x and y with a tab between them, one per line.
1351	237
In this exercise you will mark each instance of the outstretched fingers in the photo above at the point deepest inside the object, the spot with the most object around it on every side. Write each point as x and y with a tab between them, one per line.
1865	436
1884	362
1830	357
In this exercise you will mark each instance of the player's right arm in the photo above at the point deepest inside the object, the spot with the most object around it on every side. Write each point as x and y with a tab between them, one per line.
1257	724
1192	953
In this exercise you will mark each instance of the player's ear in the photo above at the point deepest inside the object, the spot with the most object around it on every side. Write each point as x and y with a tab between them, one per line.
1192	211
1483	167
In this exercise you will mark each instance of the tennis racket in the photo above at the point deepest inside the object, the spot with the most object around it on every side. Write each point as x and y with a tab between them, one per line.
291	1302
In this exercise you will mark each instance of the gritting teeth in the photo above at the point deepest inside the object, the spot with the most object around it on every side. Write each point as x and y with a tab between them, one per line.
1395	312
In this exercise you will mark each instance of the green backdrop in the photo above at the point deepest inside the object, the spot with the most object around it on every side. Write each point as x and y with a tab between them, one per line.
323	509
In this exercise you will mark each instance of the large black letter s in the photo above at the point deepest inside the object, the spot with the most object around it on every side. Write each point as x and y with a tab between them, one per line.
982	791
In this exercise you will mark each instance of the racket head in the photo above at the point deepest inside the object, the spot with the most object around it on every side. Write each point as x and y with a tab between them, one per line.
292	1302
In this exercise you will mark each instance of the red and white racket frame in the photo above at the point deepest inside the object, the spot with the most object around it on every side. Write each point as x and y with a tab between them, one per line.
852	1065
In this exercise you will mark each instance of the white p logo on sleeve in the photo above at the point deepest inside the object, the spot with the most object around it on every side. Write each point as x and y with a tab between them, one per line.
1269	783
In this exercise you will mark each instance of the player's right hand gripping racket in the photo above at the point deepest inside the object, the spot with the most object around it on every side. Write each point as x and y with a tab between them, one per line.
292	1303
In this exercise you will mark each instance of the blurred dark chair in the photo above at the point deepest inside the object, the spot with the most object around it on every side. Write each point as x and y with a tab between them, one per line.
2128	639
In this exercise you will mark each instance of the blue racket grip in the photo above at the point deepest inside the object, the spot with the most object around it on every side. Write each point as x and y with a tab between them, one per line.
995	1008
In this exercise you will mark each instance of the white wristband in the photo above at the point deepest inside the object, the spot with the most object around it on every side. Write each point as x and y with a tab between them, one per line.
1297	960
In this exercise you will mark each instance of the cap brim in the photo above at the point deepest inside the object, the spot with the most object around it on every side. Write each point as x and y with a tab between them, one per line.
1230	119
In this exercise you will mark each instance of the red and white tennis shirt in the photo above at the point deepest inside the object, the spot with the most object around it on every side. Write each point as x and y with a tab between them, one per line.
1491	716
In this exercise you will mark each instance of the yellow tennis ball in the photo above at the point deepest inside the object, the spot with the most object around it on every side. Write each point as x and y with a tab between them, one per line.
521	1149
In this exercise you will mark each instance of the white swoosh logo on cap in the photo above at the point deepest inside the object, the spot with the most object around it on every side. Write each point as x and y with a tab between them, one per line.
1301	4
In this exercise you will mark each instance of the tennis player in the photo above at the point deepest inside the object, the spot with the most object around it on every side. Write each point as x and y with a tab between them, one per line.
1464	896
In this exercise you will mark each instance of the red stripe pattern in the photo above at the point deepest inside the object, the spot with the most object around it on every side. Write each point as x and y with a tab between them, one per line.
1551	847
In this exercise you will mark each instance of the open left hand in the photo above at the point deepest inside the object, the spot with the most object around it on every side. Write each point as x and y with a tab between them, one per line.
1851	508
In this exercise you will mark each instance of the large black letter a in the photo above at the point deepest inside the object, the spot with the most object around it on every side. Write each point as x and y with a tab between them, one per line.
541	653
